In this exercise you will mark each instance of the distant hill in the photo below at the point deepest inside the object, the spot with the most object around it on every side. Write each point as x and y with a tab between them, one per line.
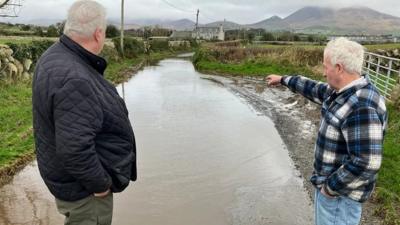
273	23
352	20
44	22
184	24
228	25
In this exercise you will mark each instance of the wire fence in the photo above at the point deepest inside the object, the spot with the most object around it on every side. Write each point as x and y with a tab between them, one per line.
383	72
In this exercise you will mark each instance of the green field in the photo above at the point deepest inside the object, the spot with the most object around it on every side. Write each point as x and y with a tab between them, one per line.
373	47
250	69
22	40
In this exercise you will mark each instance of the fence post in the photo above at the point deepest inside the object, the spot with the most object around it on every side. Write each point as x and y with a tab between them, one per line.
387	93
369	64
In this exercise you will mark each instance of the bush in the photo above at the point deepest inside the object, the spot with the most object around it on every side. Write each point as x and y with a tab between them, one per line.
52	31
38	31
228	44
110	54
112	31
193	43
132	47
31	50
159	45
296	56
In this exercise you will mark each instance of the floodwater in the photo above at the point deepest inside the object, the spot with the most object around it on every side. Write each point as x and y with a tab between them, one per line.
205	157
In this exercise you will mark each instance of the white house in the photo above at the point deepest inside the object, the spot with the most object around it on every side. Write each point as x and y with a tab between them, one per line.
209	33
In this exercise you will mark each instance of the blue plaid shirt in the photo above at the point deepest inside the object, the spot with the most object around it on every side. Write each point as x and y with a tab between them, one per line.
348	151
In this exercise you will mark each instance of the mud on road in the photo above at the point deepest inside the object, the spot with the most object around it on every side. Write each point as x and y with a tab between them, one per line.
296	119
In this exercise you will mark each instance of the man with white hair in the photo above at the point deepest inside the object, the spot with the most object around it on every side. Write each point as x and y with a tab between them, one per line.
85	144
348	151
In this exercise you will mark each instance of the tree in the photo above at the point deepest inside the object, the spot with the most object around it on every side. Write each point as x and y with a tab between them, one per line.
52	31
9	8
146	32
112	31
38	31
159	31
26	27
60	28
285	36
310	38
268	37
251	36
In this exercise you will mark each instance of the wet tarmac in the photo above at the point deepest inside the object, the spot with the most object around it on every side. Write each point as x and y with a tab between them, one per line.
204	157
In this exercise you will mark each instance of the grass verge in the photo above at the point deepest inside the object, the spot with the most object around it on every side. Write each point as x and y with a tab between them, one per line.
387	195
16	136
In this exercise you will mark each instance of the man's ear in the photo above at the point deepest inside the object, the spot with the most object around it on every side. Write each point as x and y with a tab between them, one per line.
339	68
97	35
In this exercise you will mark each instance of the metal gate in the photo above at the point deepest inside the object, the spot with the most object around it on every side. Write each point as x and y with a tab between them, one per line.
383	72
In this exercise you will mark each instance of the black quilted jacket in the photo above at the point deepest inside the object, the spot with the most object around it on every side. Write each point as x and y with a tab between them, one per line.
83	136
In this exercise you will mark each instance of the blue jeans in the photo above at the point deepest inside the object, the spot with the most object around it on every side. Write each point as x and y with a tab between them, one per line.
336	211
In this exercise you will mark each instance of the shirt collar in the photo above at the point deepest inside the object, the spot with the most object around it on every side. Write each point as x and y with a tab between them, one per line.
97	62
350	89
359	81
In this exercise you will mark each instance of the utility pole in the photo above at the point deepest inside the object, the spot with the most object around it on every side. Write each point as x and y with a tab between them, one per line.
122	27
122	44
197	24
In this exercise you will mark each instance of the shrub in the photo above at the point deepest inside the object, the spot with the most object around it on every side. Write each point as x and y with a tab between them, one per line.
132	47
110	54
31	50
159	45
112	31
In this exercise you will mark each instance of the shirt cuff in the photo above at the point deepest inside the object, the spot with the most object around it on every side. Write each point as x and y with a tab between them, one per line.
285	80
329	190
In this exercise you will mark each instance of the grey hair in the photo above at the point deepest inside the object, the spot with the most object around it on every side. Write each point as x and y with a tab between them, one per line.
348	53
84	17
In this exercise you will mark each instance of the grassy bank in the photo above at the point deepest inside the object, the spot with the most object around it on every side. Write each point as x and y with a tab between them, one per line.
118	72
16	136
250	68
261	61
388	188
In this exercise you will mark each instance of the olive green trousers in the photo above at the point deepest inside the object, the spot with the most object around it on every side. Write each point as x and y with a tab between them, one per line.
88	211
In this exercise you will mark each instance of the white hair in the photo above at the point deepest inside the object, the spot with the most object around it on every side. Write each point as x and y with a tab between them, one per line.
348	53
84	17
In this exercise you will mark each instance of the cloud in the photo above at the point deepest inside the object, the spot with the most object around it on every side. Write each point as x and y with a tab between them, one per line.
240	11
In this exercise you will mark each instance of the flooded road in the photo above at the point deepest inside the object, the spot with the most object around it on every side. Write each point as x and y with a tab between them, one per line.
204	158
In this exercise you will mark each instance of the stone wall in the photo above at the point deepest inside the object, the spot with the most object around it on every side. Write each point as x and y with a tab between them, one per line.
10	68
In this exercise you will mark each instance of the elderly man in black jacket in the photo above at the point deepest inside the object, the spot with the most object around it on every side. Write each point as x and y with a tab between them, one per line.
85	144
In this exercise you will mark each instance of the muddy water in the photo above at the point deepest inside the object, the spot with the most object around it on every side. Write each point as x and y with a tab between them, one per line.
204	158
26	201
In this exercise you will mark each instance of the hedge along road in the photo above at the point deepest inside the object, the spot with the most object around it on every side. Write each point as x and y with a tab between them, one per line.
204	157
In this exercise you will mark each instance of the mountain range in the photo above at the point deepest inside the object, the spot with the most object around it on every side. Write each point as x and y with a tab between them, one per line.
351	20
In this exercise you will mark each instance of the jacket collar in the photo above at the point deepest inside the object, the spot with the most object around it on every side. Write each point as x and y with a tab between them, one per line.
349	91
97	62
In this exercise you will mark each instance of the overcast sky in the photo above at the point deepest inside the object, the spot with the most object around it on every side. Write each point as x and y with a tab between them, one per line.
240	11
